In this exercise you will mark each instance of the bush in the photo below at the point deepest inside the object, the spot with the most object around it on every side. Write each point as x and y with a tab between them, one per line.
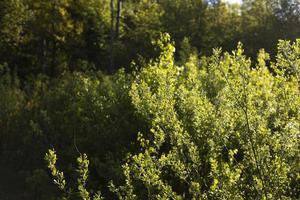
221	127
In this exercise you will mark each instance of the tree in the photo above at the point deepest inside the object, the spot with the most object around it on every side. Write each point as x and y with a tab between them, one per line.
222	26
183	18
287	18
13	18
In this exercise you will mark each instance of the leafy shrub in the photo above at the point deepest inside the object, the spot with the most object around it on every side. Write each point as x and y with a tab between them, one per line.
77	112
221	127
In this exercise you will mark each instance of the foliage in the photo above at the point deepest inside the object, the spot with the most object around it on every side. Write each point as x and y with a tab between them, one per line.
59	180
67	114
219	127
58	36
85	76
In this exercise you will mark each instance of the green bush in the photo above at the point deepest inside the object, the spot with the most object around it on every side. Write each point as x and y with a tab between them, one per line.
77	112
221	127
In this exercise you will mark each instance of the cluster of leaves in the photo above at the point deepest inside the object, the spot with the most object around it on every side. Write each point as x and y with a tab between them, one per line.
73	113
59	180
220	127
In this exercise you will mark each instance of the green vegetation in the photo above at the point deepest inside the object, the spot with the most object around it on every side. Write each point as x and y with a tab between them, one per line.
118	109
67	35
218	129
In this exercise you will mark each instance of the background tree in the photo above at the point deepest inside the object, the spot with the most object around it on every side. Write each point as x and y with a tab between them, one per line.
13	18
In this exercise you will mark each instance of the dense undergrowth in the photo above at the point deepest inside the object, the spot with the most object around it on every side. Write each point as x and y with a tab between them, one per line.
217	127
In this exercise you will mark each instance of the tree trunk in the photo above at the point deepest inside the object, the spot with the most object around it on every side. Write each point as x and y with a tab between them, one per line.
119	8
111	68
